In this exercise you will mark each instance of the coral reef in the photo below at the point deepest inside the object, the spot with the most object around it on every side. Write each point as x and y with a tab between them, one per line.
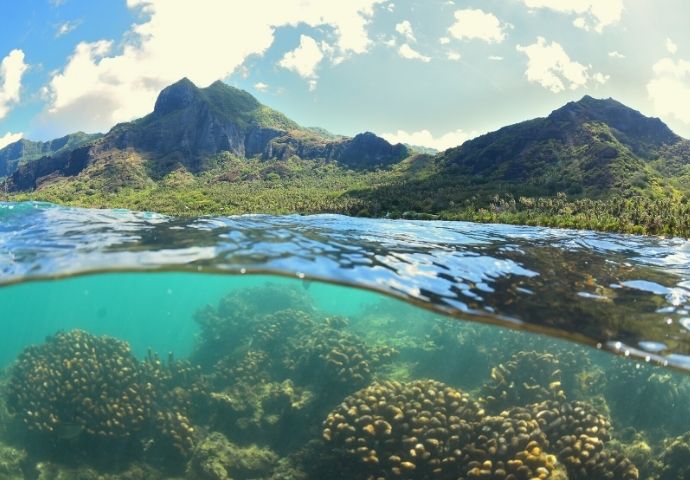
216	458
577	433
229	324
275	413
635	446
276	389
12	461
296	367
136	471
76	383
252	367
81	394
337	361
406	430
675	458
647	398
425	429
508	446
526	378
180	392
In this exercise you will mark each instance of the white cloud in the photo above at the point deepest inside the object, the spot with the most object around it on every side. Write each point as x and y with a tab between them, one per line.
261	86
591	14
452	55
404	28
477	24
105	82
10	137
616	54
424	138
408	52
304	59
551	67
444	40
671	46
669	89
495	58
12	69
66	27
600	78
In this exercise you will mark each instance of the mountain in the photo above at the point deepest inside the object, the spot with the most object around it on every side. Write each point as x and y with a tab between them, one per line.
188	128
23	151
593	163
593	146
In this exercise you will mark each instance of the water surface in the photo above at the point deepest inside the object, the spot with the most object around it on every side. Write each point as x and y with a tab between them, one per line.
624	293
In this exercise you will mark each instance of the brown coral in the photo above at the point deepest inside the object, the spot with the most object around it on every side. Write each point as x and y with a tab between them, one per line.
404	430
578	436
78	383
509	446
526	378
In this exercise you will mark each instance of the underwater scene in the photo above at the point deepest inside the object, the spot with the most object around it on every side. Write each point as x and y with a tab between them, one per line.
139	346
198	376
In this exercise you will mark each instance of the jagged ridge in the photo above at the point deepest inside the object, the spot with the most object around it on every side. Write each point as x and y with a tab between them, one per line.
23	150
189	125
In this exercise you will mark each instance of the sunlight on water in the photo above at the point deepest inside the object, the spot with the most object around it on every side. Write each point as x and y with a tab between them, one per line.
621	292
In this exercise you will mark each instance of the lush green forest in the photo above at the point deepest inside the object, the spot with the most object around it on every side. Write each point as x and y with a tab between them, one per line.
594	163
413	189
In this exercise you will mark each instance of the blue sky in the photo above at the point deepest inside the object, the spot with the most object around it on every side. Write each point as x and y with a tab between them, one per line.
429	72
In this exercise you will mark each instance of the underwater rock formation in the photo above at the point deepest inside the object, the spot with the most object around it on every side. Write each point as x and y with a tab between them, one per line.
216	458
11	462
675	459
526	378
136	471
275	413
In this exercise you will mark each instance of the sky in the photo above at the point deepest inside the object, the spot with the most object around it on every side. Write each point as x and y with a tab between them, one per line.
427	72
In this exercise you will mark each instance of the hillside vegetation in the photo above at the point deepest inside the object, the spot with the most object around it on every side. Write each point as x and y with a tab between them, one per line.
590	164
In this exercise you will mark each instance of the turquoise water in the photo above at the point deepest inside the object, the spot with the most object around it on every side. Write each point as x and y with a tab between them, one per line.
137	346
149	311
